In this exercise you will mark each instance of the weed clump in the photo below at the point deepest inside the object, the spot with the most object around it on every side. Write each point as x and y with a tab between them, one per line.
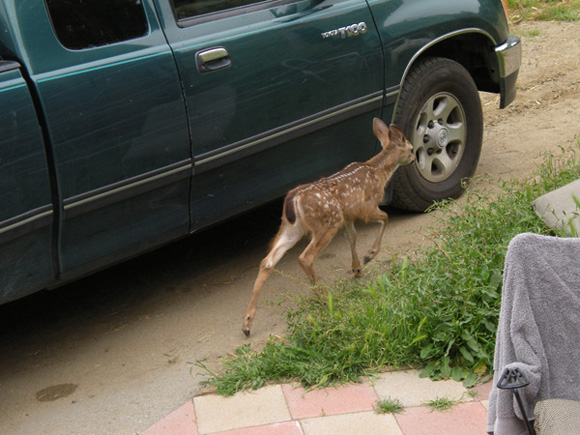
389	406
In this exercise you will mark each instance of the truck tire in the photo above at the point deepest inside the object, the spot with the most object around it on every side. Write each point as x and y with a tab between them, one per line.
440	112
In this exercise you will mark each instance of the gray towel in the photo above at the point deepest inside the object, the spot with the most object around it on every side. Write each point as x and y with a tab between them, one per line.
539	327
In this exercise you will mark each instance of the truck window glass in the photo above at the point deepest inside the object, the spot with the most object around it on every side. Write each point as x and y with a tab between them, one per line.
193	8
81	24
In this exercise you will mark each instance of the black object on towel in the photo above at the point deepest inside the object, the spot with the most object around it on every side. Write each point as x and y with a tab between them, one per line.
512	379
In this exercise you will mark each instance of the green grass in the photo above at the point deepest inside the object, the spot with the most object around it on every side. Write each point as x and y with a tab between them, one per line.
544	10
436	308
440	404
528	33
389	406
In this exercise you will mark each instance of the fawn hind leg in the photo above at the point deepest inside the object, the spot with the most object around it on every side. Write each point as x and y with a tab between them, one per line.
377	216
351	235
320	240
286	238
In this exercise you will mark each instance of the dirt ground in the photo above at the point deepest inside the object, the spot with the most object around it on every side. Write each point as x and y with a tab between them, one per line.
115	352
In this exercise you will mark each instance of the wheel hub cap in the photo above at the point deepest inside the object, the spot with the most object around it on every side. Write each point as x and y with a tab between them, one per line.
442	138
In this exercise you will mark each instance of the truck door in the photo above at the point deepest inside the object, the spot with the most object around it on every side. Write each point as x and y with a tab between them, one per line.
108	86
278	92
26	213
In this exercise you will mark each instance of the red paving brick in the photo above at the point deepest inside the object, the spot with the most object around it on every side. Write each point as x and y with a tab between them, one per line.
288	428
329	401
483	390
181	421
462	419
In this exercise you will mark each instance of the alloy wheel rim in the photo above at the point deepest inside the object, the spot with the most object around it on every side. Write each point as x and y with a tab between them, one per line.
439	137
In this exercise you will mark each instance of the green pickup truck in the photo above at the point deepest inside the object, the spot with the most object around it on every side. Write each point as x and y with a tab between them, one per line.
125	124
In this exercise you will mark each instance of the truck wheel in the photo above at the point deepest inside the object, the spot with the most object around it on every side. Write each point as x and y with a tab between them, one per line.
440	112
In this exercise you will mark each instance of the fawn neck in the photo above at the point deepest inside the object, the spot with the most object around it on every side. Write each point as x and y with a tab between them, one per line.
385	161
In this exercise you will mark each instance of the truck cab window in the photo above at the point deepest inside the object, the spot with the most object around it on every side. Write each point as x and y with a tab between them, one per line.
193	8
81	24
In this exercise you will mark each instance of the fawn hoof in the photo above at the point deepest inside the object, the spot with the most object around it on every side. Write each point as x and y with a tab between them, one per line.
247	324
372	254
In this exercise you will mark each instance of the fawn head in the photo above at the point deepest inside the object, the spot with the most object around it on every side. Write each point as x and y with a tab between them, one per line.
394	141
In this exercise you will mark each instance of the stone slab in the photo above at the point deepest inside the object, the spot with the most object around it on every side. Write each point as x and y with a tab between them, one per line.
246	409
559	209
412	390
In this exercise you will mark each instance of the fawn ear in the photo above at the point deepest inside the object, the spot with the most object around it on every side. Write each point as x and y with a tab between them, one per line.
396	135
381	131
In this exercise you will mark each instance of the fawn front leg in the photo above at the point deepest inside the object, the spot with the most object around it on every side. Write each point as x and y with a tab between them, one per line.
351	235
382	217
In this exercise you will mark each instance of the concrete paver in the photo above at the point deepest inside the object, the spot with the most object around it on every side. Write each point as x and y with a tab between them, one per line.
462	419
288	428
412	390
361	423
255	408
292	410
181	421
329	401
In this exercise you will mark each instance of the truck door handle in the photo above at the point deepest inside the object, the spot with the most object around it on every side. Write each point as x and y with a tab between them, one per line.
212	59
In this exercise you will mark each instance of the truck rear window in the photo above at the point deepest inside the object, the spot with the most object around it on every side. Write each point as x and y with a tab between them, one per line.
81	24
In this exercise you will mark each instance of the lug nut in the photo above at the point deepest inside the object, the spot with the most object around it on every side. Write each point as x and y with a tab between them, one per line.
426	138
430	124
